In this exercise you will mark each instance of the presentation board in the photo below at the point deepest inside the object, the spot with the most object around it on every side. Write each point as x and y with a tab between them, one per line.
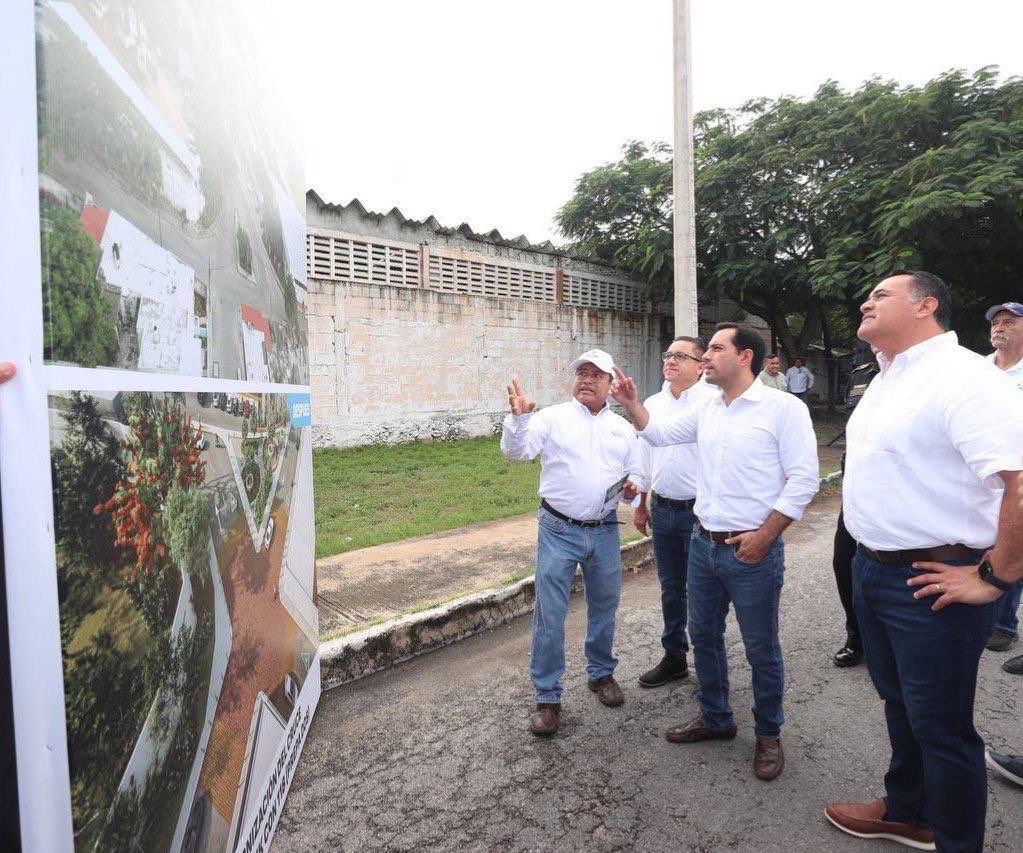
155	446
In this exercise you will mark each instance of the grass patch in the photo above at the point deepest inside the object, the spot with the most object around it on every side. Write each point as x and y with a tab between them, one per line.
371	495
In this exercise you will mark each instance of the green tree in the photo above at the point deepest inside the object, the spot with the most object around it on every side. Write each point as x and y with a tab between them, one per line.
77	325
801	205
186	520
85	467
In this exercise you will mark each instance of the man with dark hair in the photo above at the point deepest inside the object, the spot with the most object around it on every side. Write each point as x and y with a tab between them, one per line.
932	490
799	379
771	375
758	471
669	475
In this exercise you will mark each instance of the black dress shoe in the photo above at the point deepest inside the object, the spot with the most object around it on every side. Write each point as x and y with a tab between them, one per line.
1014	666
1000	640
670	668
848	656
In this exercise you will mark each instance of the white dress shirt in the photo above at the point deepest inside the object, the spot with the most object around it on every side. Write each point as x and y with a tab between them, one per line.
924	448
1014	373
799	379
757	454
671	470
582	455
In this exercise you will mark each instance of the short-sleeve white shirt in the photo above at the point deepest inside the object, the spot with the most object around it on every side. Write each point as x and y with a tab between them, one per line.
925	446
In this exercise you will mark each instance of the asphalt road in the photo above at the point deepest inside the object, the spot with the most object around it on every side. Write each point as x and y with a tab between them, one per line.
434	754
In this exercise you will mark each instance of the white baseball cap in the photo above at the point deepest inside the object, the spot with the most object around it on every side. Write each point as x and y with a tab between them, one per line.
596	357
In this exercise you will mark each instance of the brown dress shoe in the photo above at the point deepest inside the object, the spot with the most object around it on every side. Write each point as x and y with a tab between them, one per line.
768	758
695	730
544	720
866	820
607	690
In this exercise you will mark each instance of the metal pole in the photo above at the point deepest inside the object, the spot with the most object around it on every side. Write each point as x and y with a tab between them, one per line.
684	247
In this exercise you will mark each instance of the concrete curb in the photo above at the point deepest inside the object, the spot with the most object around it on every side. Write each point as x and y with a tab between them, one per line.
381	646
364	652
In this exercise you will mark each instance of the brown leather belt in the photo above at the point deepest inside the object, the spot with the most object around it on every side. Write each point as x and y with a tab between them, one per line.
715	536
937	554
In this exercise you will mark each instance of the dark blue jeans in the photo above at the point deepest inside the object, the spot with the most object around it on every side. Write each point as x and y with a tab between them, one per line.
1006	610
718	578
924	665
672	529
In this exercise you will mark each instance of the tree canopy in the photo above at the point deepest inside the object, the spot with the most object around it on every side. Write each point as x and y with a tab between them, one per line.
803	205
77	322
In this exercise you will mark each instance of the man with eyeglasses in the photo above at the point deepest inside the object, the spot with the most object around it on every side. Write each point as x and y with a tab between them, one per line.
758	470
669	476
587	453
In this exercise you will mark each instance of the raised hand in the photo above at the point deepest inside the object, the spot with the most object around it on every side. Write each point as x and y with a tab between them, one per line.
623	389
517	400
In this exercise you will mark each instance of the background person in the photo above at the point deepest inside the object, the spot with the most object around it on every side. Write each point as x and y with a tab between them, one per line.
799	379
670	474
1007	342
758	470
932	482
586	453
771	375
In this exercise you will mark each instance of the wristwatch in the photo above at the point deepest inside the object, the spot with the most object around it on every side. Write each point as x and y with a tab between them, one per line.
987	574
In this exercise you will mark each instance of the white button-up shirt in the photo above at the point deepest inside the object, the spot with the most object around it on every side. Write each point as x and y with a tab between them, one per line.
1014	373
799	379
671	470
757	454
924	448
582	455
777	381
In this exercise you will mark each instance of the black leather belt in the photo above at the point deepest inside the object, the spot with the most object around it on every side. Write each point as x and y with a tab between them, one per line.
687	504
598	523
937	554
716	536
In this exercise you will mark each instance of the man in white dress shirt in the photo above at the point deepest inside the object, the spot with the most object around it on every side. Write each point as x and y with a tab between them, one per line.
758	470
669	475
587	452
799	379
1007	340
933	496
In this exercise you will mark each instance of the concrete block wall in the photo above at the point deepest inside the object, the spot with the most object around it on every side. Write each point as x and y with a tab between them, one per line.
393	364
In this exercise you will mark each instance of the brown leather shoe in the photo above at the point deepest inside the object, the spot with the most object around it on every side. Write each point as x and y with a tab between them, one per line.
768	758
695	730
544	720
607	690
866	820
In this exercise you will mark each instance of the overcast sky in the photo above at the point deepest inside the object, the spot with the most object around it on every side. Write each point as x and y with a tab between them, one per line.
487	112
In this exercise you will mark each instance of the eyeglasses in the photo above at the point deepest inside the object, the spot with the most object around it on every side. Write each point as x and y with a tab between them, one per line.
679	356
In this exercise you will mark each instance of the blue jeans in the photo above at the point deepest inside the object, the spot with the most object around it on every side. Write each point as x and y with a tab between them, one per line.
718	578
672	530
560	546
1006	609
924	666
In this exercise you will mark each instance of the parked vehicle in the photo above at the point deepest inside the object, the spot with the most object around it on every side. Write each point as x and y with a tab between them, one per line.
269	535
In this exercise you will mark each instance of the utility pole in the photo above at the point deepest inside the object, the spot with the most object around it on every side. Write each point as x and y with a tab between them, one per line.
684	244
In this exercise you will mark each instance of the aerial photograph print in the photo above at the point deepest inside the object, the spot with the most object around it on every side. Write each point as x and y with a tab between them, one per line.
171	193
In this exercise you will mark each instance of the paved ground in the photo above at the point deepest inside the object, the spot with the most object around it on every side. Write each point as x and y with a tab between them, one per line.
434	754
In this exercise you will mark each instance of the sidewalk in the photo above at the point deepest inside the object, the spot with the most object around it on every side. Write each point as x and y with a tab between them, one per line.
434	752
366	586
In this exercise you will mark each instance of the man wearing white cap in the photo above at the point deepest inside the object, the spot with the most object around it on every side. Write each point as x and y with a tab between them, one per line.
587	453
1007	341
